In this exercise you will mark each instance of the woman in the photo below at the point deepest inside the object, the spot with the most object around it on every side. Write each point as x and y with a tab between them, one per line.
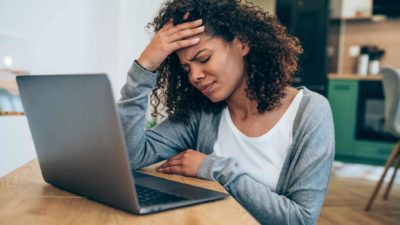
222	72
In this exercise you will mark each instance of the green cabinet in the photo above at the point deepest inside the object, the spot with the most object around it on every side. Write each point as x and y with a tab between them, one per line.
343	97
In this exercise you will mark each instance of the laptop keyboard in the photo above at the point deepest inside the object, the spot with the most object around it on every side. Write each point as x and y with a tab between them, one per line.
148	196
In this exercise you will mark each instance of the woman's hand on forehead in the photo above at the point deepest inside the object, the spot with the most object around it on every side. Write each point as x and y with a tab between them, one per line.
169	39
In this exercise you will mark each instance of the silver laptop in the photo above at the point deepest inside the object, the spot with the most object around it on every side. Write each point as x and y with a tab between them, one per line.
80	146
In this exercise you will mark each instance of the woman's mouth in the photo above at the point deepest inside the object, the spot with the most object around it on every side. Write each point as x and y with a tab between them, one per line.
205	89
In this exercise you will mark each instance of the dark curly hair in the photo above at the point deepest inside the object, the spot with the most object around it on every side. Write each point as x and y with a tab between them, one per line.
270	64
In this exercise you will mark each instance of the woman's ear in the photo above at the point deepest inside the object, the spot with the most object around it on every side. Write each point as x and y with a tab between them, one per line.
241	46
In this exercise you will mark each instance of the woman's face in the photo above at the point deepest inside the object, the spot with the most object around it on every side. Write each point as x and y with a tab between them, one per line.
215	67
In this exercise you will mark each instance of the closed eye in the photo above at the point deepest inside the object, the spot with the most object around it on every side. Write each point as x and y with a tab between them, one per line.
205	60
186	68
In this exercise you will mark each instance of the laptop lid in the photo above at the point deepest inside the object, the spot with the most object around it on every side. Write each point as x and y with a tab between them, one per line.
79	143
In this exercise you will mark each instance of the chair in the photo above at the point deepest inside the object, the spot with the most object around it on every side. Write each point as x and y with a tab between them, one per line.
391	88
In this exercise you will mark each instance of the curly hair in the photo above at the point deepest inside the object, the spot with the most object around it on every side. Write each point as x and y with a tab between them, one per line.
270	64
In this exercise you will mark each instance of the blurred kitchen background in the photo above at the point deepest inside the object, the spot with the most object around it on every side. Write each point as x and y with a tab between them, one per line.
346	43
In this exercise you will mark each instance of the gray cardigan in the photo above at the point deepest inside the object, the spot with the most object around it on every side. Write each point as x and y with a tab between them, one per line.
304	178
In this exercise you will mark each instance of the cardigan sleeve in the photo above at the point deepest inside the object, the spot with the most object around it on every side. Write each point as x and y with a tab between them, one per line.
308	177
146	147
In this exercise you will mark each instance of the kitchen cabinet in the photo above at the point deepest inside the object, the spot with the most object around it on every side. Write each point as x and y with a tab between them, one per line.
344	97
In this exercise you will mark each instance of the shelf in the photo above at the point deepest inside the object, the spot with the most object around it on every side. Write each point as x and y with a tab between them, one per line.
375	18
348	76
11	113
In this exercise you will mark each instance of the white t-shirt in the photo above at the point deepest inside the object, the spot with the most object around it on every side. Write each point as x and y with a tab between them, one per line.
262	157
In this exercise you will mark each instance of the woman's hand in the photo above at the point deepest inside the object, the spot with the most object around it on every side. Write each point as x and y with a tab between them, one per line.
186	163
167	40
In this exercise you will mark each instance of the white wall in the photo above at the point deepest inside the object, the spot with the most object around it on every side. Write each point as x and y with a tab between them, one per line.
133	38
16	147
71	36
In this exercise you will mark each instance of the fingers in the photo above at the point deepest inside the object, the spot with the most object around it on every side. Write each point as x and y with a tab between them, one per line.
171	38
184	26
171	162
185	43
175	161
168	25
172	169
186	163
183	34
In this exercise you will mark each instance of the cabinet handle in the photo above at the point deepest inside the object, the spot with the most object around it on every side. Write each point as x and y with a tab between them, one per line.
342	87
383	151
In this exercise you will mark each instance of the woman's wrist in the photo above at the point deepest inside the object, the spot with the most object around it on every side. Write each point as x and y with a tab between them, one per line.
146	66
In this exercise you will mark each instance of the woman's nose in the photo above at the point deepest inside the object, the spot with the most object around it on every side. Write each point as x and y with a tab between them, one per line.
196	75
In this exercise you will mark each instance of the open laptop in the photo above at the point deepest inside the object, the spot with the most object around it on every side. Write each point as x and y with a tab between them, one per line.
80	146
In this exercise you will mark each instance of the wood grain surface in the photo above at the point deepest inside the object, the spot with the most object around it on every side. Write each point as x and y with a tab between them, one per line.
25	198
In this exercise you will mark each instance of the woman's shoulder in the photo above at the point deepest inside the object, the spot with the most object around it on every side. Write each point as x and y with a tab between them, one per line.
312	98
314	108
313	101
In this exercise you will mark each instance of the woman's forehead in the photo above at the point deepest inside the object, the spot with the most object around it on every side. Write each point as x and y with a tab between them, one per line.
207	42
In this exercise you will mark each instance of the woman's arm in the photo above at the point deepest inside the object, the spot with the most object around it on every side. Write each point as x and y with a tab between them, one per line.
167	139
146	147
305	190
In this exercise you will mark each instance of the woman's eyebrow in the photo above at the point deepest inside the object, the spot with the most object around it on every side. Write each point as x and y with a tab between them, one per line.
195	56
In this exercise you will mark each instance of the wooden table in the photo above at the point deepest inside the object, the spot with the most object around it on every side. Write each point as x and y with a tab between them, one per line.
26	199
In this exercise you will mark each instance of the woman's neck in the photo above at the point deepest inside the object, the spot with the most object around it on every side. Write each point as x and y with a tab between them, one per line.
240	105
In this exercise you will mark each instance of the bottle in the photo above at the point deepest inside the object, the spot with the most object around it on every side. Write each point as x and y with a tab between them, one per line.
363	59
374	67
374	63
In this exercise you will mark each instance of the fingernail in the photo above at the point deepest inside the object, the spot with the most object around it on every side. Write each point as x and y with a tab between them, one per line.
195	40
199	20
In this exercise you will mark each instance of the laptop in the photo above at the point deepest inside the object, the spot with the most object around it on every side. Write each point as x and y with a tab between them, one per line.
80	146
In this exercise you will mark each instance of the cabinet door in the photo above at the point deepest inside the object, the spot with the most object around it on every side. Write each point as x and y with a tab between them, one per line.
375	151
342	96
